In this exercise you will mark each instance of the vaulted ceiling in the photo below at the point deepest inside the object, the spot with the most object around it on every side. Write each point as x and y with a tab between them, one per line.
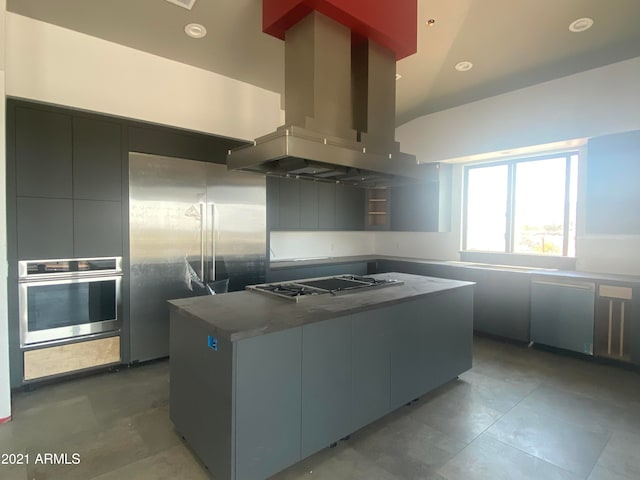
511	44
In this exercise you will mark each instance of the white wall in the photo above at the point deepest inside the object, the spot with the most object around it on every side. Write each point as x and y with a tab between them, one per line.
289	245
597	102
5	394
52	64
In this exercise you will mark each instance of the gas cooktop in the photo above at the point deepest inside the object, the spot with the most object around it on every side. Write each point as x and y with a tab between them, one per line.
339	285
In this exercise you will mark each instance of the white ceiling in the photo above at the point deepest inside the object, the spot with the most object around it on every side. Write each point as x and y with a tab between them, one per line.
511	43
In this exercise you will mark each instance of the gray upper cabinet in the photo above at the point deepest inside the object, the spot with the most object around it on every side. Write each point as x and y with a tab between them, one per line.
308	205
289	206
97	159
97	228
349	207
273	202
44	228
423	207
68	173
43	153
326	206
414	208
295	204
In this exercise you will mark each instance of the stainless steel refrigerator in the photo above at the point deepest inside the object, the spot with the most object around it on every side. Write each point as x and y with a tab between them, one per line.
190	224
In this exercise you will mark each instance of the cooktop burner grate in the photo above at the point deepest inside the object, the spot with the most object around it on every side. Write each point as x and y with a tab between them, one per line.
338	285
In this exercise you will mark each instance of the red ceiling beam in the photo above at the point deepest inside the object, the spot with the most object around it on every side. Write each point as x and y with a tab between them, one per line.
390	24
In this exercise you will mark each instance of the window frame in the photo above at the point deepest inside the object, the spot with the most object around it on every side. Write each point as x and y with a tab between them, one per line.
510	207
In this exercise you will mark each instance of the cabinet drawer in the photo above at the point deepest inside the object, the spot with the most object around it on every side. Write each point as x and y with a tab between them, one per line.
49	361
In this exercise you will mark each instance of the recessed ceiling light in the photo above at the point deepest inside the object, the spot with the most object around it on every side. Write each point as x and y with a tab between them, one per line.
398	76
195	30
581	24
431	22
188	4
464	66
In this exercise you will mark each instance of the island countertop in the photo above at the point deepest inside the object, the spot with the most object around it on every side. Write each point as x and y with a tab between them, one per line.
239	315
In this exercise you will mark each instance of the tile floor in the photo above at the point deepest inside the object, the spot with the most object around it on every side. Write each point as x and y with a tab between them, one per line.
520	413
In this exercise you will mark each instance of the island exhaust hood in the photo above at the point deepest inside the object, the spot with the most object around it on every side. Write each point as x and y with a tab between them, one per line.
339	102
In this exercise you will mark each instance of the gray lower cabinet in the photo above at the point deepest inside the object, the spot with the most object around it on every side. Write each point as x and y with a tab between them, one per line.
562	314
237	403
430	343
268	379
326	383
255	406
370	365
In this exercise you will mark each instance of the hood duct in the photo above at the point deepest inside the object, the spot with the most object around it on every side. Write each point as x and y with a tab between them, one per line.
339	112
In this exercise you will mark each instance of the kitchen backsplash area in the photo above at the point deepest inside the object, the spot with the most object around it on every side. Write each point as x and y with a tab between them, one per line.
426	245
617	254
289	245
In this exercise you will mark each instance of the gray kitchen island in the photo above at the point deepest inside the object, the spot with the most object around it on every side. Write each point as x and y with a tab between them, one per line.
259	383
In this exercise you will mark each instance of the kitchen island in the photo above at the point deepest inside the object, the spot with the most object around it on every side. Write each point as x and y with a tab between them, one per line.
259	382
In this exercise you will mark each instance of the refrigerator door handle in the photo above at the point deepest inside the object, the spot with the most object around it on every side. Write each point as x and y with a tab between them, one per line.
214	235
202	242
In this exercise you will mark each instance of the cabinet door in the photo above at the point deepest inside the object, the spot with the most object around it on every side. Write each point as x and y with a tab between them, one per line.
326	383
45	228
289	204
268	409
562	314
371	365
502	302
326	206
43	153
97	160
414	208
308	205
614	322
432	343
350	207
97	228
273	203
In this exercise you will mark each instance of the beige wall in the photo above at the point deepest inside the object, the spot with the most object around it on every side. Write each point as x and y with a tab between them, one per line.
55	65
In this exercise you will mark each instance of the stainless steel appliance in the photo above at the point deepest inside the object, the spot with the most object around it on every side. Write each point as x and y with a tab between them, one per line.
336	126
62	299
190	224
338	285
562	314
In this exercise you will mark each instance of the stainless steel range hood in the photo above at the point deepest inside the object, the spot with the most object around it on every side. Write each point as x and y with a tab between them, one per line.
339	112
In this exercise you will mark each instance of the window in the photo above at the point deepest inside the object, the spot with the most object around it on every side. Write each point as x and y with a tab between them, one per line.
525	206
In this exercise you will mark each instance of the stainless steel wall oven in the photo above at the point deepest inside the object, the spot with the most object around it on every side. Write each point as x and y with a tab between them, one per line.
62	299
